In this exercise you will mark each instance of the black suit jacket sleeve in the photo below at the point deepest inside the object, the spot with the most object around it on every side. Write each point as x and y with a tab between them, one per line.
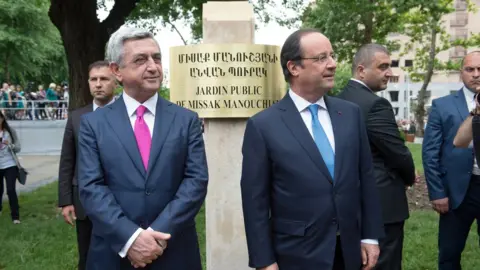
255	188
383	133
371	216
67	166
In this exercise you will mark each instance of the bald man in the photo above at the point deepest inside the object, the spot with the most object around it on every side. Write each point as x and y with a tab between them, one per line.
393	163
453	178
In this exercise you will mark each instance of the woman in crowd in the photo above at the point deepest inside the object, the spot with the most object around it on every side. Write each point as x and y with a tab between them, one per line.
9	146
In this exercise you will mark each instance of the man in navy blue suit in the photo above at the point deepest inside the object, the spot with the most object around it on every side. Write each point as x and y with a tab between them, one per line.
142	167
308	190
453	178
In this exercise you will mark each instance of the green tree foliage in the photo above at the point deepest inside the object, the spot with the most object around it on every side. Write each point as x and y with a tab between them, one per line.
30	46
164	92
426	29
169	12
342	76
351	24
84	36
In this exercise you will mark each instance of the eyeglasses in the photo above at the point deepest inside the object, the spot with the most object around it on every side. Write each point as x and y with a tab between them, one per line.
322	58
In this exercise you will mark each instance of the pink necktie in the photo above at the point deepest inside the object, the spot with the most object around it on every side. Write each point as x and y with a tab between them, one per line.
142	134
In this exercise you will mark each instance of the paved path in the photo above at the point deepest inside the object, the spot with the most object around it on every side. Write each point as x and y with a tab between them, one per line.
42	170
40	154
40	137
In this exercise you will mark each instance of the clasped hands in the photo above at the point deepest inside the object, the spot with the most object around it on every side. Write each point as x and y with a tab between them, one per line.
148	246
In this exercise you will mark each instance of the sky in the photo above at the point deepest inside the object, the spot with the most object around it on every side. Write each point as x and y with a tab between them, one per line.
270	34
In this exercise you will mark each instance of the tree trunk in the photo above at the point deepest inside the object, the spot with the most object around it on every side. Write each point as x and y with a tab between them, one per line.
420	109
368	22
84	39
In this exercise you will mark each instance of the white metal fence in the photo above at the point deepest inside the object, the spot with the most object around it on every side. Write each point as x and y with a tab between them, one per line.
34	109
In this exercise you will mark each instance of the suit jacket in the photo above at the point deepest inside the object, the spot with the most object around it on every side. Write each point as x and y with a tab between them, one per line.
67	175
392	161
447	169
119	196
292	207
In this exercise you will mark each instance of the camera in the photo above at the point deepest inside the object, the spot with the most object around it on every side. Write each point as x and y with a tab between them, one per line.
477	98
476	134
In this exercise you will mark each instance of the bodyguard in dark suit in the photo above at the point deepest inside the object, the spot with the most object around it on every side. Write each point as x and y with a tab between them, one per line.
308	191
453	178
392	161
102	84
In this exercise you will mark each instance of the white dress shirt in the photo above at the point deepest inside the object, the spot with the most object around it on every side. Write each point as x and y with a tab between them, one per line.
470	99
95	105
149	117
325	121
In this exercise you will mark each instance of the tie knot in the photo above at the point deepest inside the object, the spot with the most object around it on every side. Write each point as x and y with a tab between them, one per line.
141	110
313	108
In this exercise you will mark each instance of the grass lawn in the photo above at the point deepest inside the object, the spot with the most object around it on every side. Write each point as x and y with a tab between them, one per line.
44	241
416	150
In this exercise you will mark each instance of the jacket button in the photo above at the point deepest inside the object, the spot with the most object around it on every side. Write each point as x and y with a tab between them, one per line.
334	221
147	193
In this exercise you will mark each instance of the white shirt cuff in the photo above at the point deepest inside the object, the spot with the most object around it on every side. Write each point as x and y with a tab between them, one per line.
369	241
129	243
470	145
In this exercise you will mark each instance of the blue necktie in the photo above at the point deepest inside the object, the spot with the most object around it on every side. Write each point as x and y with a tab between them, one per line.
321	140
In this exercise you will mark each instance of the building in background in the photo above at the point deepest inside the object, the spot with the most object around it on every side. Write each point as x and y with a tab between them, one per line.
402	91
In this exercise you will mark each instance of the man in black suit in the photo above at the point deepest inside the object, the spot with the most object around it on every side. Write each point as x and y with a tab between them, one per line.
393	164
102	84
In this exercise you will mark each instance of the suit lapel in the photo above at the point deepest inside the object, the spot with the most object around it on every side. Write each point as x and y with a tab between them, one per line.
120	122
338	123
461	104
295	123
164	116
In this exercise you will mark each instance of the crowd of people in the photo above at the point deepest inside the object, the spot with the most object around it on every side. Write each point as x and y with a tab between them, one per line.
40	104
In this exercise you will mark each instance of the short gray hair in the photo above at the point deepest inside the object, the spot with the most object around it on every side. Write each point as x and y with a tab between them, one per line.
365	54
114	51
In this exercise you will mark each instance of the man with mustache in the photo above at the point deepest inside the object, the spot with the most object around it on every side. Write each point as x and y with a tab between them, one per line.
453	178
142	167
102	85
393	162
308	189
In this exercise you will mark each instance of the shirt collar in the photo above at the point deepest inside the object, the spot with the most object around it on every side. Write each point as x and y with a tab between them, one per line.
95	105
469	95
303	104
362	83
132	104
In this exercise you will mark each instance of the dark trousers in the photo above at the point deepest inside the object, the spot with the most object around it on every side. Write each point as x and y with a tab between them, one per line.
10	175
454	227
391	247
338	261
84	233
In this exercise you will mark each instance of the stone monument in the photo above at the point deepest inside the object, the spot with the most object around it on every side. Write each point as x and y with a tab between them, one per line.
226	22
226	80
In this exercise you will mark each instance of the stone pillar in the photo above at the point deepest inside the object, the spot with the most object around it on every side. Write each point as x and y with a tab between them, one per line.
226	22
